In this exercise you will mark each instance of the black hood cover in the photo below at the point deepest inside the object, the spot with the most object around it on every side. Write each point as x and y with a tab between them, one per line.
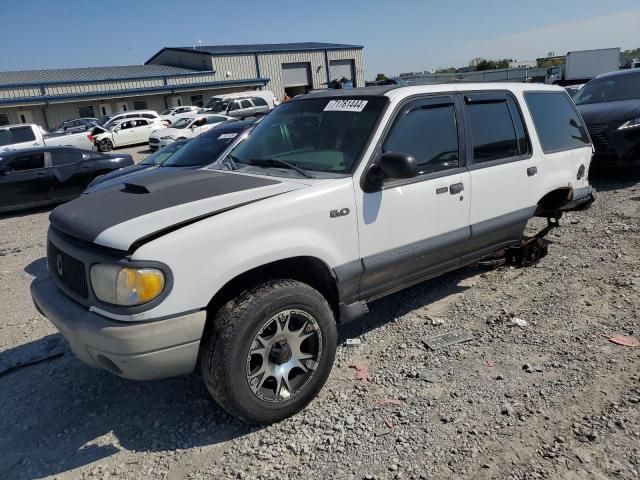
146	192
609	112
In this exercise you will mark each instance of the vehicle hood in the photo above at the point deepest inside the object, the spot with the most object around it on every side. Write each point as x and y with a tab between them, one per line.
158	201
163	132
609	112
116	177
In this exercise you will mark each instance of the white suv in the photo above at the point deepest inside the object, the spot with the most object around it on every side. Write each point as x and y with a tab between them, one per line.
335	199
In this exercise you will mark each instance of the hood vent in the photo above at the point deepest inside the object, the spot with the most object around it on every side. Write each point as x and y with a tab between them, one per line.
133	188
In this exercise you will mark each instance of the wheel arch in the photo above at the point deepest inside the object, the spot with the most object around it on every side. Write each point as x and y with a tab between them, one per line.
550	204
307	269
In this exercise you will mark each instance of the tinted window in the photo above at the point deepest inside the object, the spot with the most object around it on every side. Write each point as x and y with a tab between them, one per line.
65	157
22	134
259	102
141	123
558	125
245	104
492	130
126	125
610	89
27	162
215	119
430	134
148	115
233	106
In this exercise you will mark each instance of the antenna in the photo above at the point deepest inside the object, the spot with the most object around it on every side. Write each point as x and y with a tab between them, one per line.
199	43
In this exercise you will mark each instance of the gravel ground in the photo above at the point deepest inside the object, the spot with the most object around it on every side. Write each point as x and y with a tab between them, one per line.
538	393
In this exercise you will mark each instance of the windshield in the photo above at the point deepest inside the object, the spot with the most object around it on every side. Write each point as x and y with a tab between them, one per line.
204	149
320	135
161	156
181	123
610	89
167	112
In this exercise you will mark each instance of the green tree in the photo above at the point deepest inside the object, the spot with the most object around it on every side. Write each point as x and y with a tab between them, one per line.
380	76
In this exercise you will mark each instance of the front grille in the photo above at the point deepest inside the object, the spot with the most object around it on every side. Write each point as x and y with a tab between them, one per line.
154	140
600	140
70	271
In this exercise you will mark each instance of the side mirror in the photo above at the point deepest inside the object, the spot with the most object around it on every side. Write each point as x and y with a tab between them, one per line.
391	165
398	165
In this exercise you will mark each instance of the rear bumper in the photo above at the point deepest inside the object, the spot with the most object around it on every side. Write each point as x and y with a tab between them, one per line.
134	350
581	199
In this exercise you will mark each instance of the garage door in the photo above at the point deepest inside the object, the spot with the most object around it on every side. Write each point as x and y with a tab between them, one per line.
296	74
341	68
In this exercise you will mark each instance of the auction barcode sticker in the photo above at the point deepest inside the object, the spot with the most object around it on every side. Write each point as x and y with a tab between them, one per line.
346	105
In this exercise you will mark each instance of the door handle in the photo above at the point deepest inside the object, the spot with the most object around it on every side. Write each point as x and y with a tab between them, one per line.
531	171
456	188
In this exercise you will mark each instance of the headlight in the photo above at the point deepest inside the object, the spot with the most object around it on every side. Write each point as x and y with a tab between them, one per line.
168	137
126	286
633	123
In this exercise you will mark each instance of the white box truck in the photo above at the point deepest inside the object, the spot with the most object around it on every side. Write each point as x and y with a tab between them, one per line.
583	65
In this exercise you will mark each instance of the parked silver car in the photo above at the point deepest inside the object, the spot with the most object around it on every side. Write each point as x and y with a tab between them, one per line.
241	107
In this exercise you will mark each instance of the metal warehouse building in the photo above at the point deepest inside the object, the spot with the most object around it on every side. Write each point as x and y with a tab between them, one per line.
175	76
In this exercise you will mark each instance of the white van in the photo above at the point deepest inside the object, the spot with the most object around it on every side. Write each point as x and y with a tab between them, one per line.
217	99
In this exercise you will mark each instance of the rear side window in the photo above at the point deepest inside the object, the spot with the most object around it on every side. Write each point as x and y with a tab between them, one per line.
430	134
558	124
259	102
245	103
27	162
492	130
65	157
22	134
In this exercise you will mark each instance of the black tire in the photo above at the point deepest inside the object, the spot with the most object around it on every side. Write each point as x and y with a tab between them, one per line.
225	350
105	145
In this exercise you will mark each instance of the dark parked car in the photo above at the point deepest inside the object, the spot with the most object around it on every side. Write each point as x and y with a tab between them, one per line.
155	159
197	152
76	125
40	176
610	106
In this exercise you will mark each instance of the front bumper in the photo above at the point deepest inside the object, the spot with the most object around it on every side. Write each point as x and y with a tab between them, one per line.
134	350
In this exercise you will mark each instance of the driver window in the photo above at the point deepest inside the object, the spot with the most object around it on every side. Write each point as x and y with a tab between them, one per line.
125	125
430	134
233	106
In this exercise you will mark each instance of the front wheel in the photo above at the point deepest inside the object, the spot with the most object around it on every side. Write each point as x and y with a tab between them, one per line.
105	145
270	351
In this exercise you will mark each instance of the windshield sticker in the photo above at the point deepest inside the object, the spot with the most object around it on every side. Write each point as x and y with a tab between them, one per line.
224	136
346	105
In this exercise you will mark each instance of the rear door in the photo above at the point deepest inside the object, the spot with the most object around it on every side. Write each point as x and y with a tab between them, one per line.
417	227
504	174
71	172
141	130
26	182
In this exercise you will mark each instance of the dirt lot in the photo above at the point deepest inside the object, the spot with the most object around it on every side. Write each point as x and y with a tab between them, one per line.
552	398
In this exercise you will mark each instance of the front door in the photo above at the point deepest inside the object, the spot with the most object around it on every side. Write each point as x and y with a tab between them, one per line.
24	181
71	172
415	228
504	174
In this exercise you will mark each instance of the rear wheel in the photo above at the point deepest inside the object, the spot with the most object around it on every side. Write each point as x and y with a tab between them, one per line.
270	351
105	145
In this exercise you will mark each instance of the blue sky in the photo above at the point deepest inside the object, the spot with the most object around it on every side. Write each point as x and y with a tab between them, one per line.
399	36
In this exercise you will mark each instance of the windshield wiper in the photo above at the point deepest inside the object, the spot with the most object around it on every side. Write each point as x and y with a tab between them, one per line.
269	161
231	161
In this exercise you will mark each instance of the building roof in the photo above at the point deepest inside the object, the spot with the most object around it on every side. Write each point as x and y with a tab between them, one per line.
88	74
261	48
